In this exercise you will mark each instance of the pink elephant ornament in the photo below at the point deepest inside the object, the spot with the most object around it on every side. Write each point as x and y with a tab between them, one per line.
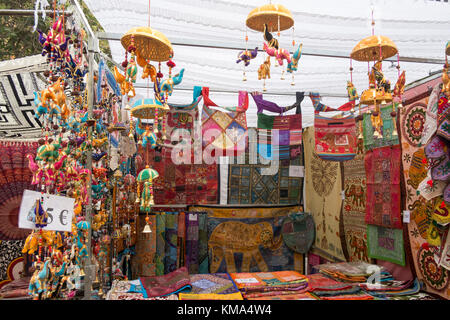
279	54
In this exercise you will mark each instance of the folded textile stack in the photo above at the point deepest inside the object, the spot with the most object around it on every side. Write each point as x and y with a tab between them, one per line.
354	272
417	296
215	286
132	290
256	285
323	286
16	289
392	288
171	283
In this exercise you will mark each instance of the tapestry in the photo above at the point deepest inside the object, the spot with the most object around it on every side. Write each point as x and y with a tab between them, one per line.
224	130
11	260
144	261
387	139
323	198
217	283
383	199
160	242
251	184
354	206
418	120
183	183
245	239
181	240
17	107
15	177
386	244
171	242
192	233
335	138
173	282
203	259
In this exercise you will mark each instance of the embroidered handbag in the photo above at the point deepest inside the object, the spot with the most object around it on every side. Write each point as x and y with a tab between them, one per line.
335	138
225	130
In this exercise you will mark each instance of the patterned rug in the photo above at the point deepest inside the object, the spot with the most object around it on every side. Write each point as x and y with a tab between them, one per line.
383	200
354	207
15	177
248	239
323	198
413	120
17	105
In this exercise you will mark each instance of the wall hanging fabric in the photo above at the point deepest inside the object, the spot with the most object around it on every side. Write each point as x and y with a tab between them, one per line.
196	243
224	130
289	128
250	183
386	244
144	263
335	138
421	191
323	198
298	232
388	127
183	183
183	117
354	206
15	177
383	204
247	239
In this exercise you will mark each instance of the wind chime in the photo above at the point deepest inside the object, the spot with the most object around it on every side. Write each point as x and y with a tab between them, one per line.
376	48
267	19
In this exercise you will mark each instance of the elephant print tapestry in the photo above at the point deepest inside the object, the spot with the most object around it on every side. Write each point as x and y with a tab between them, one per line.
248	239
420	228
354	206
323	198
383	200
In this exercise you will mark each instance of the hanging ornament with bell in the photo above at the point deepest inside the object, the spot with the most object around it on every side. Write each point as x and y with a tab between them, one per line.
147	228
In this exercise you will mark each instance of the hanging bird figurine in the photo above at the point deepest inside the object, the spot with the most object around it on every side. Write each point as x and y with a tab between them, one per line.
247	55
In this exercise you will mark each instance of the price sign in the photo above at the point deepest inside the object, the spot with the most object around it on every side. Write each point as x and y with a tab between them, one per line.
58	208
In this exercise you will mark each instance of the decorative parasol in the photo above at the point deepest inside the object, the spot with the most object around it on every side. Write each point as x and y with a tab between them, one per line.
276	16
150	43
373	96
147	173
148	108
368	49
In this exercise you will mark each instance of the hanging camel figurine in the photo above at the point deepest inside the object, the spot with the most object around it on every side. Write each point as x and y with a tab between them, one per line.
264	69
148	69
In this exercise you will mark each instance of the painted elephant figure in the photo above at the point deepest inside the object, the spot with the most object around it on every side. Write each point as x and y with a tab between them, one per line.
237	237
167	85
356	193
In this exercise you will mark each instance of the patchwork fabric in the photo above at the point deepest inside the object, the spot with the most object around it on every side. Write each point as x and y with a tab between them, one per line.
248	183
171	242
173	282
323	199
387	129
354	207
335	138
224	130
120	290
183	183
247	239
383	187
195	249
298	232
15	177
386	244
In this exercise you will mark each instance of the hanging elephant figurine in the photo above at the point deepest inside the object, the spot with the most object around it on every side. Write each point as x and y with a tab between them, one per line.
292	66
247	55
279	54
148	69
40	109
167	85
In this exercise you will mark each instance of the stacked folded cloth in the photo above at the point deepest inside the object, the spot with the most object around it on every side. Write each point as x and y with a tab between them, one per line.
215	286
326	288
258	285
390	289
16	289
353	272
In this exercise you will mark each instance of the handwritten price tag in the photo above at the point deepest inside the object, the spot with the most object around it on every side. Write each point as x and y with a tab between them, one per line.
59	209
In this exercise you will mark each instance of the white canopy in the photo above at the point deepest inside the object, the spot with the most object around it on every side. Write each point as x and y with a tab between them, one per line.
419	28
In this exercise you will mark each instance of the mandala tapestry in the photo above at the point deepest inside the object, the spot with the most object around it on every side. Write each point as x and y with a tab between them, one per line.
414	119
323	199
